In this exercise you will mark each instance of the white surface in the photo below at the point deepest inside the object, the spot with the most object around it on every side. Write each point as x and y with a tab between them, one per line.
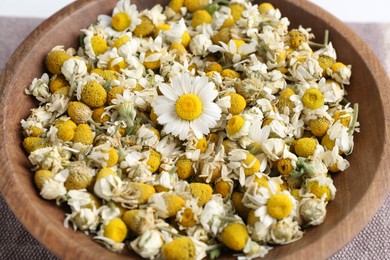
346	10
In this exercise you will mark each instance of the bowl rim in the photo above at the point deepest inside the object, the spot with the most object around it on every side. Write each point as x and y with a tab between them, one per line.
362	212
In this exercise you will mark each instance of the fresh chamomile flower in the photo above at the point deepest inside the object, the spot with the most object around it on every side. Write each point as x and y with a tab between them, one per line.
312	210
124	17
187	106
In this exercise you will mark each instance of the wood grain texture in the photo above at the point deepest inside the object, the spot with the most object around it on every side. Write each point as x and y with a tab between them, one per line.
361	189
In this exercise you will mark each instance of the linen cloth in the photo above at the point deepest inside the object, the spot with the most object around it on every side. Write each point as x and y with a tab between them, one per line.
373	242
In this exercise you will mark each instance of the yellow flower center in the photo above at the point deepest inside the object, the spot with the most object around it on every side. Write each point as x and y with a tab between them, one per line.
279	206
327	142
154	161
116	230
189	107
202	145
99	45
201	17
121	40
121	21
223	188
252	165
238	43
305	146
237	103
188	218
284	166
313	98
185	39
343	116
184	168
264	8
319	126
113	64
235	124
318	190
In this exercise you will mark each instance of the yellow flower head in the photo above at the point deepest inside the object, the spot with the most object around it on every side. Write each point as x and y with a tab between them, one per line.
284	166
98	117
144	191
264	8
93	94
223	187
279	206
252	219
83	134
154	160
120	41
296	38
116	230
319	190
313	98
284	99
236	10
79	112
201	17
112	157
325	62
174	203
145	28
343	116
201	191
176	5
56	82
65	132
121	21
202	145
138	220
104	172
237	103
113	92
223	35
214	67
79	177
187	218
178	48
31	143
99	45
116	64
153	65
251	164
305	146
319	126
41	176
194	5
180	248
241	209
327	142
235	236
161	27
235	124
55	59
231	74
184	168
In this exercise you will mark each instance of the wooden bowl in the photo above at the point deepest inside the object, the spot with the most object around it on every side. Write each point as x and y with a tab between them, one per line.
361	189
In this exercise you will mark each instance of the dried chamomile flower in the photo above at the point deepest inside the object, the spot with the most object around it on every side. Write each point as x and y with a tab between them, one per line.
235	236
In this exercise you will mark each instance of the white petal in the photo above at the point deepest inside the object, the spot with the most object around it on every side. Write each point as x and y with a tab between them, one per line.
168	91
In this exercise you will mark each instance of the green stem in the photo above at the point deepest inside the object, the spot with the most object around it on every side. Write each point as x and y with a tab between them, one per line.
354	119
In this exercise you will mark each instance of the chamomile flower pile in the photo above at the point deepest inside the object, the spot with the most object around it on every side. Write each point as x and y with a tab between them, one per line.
178	132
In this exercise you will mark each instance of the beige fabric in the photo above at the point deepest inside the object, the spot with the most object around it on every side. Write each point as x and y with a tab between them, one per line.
373	242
